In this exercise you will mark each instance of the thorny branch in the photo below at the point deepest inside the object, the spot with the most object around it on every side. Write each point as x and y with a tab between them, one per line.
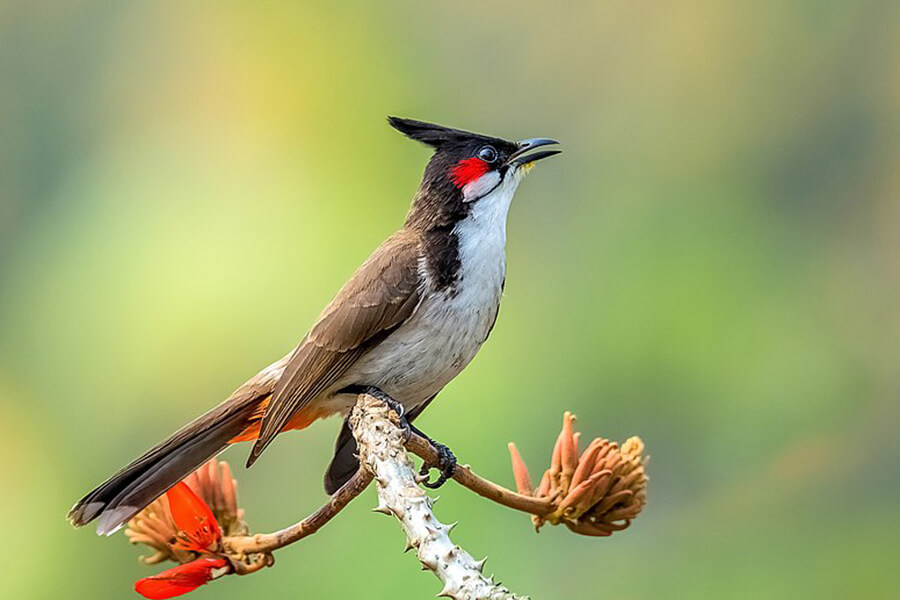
381	448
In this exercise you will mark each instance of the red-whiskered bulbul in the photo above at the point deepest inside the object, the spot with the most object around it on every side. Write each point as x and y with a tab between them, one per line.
409	320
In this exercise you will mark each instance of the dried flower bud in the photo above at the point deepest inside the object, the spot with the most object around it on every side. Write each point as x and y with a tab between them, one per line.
596	493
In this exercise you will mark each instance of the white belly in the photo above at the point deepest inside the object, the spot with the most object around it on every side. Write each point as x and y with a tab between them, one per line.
416	361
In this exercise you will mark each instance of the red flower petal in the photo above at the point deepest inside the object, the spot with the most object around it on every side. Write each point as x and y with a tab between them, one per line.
193	517
181	579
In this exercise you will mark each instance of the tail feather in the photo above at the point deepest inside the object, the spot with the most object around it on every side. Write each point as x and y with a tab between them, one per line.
127	492
344	463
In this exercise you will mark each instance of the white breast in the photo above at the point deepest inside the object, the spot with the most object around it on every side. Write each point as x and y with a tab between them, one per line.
449	326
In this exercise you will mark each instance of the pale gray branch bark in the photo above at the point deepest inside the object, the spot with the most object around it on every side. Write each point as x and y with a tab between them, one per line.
382	451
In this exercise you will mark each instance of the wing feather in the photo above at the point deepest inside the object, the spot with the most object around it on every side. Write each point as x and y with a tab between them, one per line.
380	296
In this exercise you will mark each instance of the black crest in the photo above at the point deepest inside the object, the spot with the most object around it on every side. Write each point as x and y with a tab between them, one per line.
436	136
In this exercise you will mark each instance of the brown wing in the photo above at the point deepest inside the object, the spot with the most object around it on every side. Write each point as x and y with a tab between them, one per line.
380	296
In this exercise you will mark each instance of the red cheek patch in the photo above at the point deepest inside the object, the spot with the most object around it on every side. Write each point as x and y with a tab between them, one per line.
468	170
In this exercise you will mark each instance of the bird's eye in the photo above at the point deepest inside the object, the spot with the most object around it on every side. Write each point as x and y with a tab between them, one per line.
487	154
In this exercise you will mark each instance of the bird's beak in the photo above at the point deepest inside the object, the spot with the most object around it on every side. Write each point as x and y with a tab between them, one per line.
524	155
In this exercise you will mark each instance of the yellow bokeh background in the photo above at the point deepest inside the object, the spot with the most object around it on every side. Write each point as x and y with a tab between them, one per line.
713	264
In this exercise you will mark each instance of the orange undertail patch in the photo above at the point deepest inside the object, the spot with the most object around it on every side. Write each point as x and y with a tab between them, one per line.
303	419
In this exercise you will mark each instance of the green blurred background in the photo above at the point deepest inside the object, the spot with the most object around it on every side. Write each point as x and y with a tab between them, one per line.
713	263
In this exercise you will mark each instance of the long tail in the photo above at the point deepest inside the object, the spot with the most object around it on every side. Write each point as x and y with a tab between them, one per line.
119	498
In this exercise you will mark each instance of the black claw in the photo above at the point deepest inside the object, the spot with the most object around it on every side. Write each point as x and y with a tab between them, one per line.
446	464
393	405
407	429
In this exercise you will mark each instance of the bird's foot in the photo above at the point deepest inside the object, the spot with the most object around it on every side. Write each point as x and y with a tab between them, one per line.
446	464
394	406
446	461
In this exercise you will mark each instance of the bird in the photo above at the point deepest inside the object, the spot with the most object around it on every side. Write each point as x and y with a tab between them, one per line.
405	324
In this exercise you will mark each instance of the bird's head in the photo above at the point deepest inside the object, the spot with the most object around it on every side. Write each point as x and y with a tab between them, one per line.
467	167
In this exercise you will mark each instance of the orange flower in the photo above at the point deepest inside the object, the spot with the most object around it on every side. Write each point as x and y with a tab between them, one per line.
182	579
596	493
156	527
182	526
198	530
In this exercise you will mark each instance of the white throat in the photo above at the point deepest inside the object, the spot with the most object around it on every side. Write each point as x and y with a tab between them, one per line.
482	241
482	234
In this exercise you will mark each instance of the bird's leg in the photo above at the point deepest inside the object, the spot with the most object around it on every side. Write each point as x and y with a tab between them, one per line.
446	462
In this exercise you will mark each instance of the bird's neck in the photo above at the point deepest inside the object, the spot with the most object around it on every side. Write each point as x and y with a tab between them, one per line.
467	239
